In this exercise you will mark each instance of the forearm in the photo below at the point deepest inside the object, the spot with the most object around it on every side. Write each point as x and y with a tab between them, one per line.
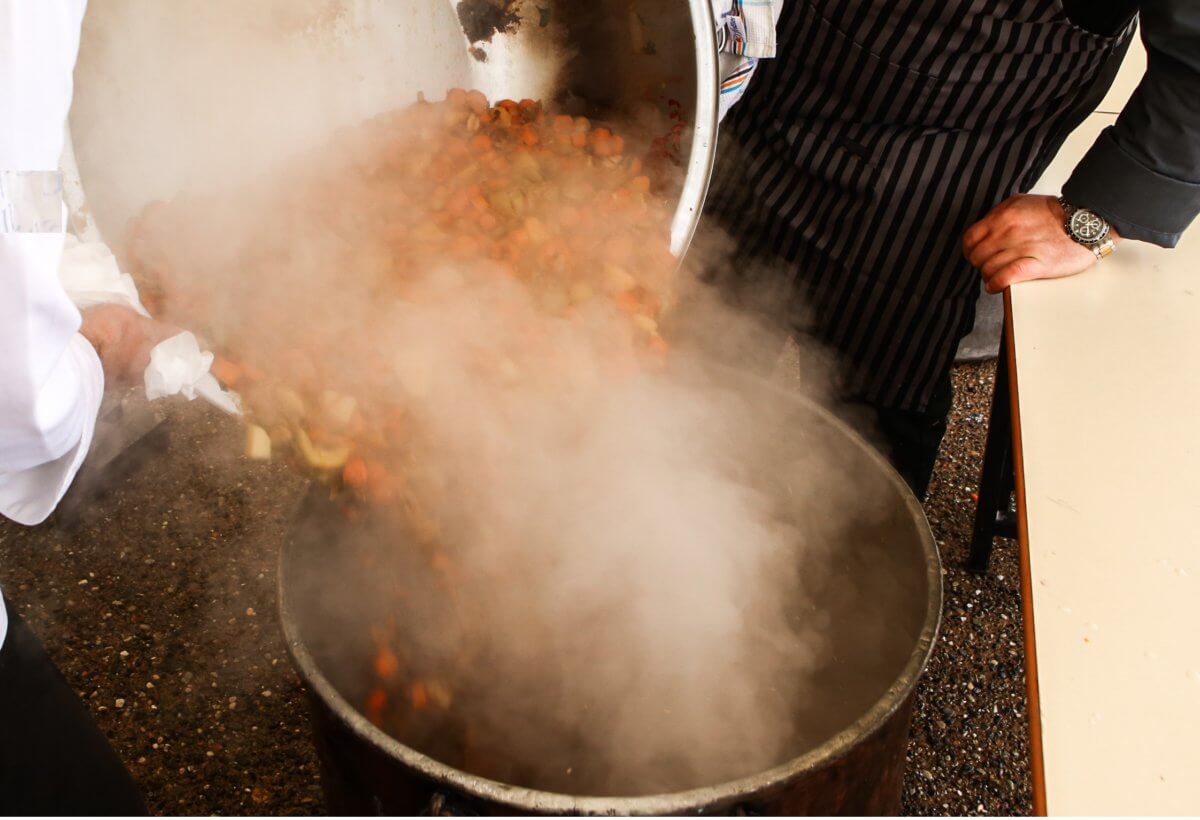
50	374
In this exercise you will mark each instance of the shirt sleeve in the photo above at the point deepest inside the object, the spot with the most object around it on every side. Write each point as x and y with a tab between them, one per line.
51	382
1143	174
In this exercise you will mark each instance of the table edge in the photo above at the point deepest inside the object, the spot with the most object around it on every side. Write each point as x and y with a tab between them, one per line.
1036	758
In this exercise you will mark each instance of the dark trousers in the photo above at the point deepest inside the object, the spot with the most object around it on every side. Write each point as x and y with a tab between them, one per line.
911	439
54	760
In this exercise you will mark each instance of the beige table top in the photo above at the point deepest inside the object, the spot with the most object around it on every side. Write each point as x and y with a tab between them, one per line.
1107	381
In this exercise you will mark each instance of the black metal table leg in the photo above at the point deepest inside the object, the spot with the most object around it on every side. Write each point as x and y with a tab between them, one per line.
996	483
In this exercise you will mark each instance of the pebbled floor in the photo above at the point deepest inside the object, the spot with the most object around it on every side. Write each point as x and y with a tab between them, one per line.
160	610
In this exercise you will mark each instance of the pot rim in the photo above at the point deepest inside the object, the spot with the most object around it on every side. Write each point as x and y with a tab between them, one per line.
703	155
692	800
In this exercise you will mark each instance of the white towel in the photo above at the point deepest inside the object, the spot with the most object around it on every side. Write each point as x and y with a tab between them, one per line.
91	276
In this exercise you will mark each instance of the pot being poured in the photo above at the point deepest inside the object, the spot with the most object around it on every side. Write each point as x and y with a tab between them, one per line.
880	604
192	95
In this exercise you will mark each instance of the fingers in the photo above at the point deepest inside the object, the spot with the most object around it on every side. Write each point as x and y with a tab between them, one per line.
161	331
995	243
123	339
999	222
975	234
1021	270
1004	257
144	337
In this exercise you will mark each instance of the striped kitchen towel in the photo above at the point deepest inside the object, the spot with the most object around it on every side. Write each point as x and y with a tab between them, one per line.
745	34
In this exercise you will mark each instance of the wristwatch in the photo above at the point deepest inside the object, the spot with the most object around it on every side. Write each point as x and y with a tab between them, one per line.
1089	229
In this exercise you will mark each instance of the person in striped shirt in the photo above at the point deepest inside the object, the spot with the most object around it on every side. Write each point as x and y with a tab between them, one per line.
878	163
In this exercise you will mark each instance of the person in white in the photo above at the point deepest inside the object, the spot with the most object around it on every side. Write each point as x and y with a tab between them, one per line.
54	365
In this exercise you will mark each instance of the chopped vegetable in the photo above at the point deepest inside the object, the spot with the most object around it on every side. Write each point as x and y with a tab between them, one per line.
321	459
258	443
552	201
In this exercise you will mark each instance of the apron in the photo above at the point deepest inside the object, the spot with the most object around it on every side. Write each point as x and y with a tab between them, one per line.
880	133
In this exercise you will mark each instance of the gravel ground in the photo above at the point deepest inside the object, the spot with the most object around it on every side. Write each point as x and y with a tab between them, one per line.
969	749
160	610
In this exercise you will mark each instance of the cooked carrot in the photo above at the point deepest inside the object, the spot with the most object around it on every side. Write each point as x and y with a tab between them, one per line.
387	665
355	473
252	373
464	246
477	101
420	696
628	302
227	372
529	135
478	200
376	703
458	203
382	485
481	143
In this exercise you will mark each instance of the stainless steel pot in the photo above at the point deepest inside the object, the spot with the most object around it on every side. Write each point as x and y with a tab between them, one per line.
193	95
882	598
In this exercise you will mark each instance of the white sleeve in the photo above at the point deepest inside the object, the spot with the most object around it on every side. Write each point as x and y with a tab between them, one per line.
51	382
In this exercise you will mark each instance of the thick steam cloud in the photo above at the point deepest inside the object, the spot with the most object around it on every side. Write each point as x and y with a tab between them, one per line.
454	317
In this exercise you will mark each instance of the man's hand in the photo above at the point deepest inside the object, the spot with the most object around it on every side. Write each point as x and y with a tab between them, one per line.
1023	238
123	339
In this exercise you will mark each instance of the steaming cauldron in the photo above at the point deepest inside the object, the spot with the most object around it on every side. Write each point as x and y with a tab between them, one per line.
883	597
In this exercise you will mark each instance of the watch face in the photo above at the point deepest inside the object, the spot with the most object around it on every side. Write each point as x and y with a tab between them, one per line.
1088	227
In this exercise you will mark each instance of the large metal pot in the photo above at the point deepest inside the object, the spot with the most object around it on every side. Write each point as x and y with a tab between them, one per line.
193	95
883	599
